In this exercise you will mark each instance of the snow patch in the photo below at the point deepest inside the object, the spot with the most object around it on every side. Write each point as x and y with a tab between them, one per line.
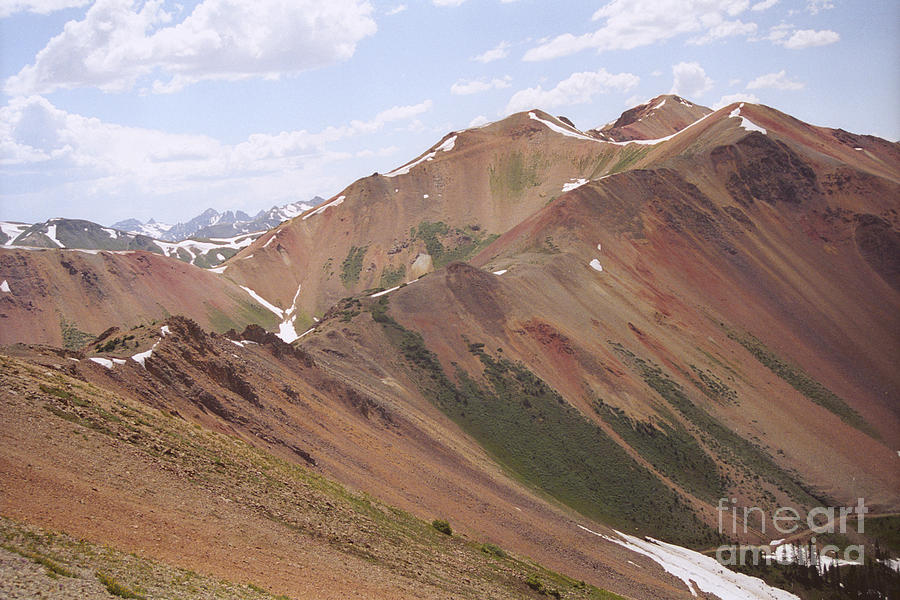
660	105
141	357
425	196
278	312
164	330
698	572
107	362
448	145
571	132
12	230
324	207
595	265
445	146
51	233
575	184
745	122
383	292
501	271
4	287
287	332
218	270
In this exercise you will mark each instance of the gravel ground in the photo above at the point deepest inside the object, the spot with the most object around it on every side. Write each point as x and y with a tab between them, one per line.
23	579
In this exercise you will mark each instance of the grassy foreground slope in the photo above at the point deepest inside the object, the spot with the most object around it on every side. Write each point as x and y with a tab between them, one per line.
187	499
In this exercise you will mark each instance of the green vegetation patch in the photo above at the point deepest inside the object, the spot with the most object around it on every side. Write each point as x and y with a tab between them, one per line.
392	276
514	173
54	569
73	338
115	588
802	382
442	526
731	447
352	265
547	443
671	449
884	530
446	245
713	387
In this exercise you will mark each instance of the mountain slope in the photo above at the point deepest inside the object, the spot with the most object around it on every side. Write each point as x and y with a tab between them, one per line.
66	297
445	205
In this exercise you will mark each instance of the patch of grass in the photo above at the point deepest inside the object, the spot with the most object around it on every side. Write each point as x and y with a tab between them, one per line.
53	567
115	588
802	382
629	157
494	550
73	338
671	449
514	173
713	387
352	265
392	276
447	245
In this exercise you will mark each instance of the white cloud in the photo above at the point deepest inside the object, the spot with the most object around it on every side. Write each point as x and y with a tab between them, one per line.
117	44
814	6
475	86
808	38
724	29
498	52
765	4
41	7
690	80
448	2
478	121
779	81
578	88
629	24
732	98
396	10
105	158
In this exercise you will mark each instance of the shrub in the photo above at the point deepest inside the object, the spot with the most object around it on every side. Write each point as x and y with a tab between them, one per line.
442	526
493	550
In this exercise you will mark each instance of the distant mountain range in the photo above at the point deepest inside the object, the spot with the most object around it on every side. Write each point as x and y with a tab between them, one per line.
205	241
213	224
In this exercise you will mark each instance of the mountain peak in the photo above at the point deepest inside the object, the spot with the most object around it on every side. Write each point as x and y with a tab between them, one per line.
658	117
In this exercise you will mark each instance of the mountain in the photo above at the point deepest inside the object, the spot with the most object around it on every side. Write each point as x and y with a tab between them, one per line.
213	224
565	343
76	234
660	117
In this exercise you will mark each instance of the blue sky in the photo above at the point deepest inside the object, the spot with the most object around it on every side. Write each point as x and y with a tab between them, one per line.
126	108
